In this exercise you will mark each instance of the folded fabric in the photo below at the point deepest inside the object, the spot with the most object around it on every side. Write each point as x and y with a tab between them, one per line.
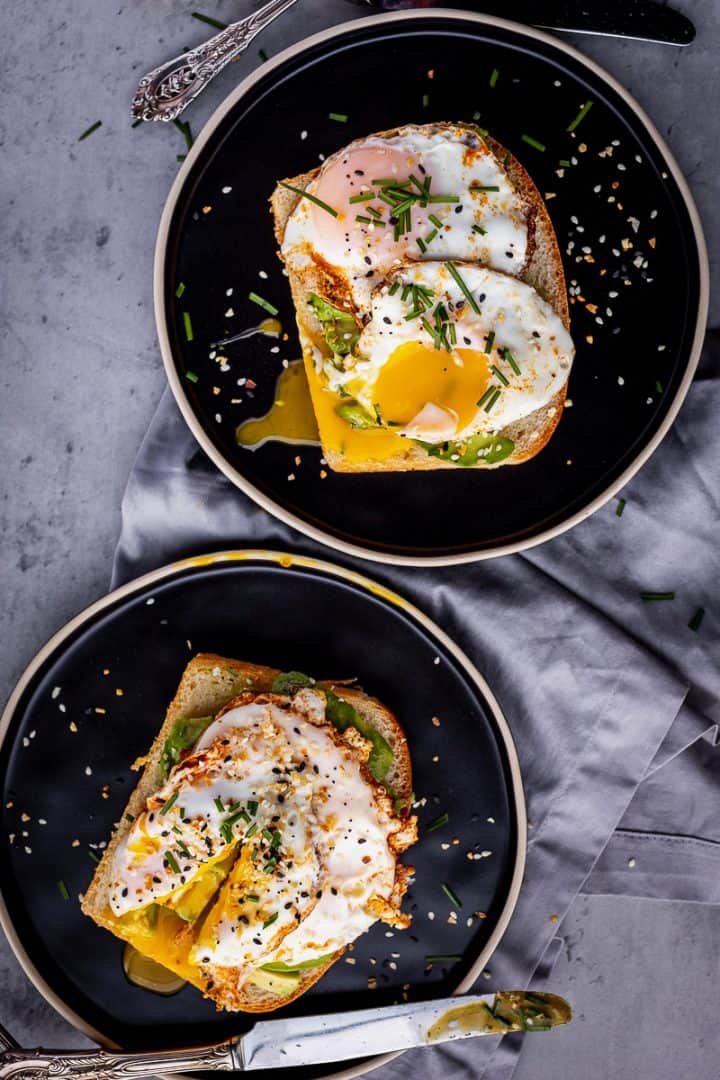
593	681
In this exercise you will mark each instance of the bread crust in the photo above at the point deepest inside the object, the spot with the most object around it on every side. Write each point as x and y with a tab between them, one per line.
543	270
209	685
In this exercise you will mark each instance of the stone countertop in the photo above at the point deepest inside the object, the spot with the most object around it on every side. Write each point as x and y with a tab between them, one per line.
81	375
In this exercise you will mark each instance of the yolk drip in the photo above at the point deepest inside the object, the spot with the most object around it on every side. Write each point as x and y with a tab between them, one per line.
291	417
416	375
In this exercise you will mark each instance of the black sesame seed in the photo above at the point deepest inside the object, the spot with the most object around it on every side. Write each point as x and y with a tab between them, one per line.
458	208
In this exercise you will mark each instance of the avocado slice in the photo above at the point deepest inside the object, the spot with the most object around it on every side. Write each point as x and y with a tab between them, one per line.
190	902
281	984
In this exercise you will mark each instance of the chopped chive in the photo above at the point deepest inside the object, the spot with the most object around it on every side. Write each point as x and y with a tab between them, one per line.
252	806
184	128
491	403
207	19
564	163
263	55
506	159
425	100
451	895
182	848
696	621
508	356
89	131
658	386
219	804
180	157
383	181
226	832
172	862
476	115
453	333
170	802
375	213
269	866
501	377
340	118
580	116
430	236
252	830
479	229
484	187
312	198
267	833
191	376
253	898
363	219
180	289
489	342
95	858
533	142
436	221
486	396
656	597
620	507
63	890
418	184
365	196
463	287
393	288
276	836
137	123
444	198
181	811
433	959
187	322
130	818
494	77
421	244
431	331
176	830
414	314
437	823
263	303
271	920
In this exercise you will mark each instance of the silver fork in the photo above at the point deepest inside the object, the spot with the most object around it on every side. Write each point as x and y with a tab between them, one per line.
162	94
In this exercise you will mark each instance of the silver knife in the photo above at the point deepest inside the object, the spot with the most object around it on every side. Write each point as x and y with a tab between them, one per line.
308	1040
643	20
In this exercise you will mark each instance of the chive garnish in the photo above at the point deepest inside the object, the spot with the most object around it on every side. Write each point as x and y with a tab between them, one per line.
170	802
184	128
95	858
564	163
484	187
182	848
486	396
494	76
453	333
191	376
365	196
437	823
658	386
497	391
375	213
210	21
425	100
340	118
263	303
276	836
263	55
363	219
421	244
696	621
176	830
393	288
443	198
533	142
476	115
312	198
506	159
267	833
510	359
252	830
89	131
219	804
253	898
252	806
463	287
137	123
269	866
180	289
489	342
187	322
452	896
656	597
479	229
620	507
435	220
580	116
130	818
63	890
432	959
501	377
271	920
172	862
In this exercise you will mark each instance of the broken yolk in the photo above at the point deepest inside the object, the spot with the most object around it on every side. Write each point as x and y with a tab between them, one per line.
415	376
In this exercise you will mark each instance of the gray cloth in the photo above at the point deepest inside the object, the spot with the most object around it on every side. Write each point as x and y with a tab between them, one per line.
613	703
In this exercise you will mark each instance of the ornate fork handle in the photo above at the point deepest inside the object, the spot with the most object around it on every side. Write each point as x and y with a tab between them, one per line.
162	94
17	1064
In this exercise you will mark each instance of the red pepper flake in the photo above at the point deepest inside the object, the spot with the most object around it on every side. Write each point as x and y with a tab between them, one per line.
250	384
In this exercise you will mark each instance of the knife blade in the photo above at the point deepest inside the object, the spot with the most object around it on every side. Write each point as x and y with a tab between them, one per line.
642	20
309	1040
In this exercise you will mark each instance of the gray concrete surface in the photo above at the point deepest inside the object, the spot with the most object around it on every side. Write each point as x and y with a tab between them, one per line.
81	373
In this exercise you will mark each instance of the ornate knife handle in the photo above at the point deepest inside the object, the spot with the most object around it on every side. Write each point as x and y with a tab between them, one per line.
162	94
17	1064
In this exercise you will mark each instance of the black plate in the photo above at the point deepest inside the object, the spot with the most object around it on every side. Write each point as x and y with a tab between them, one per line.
308	616
622	212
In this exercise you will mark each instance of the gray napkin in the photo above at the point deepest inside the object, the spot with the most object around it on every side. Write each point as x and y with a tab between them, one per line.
613	702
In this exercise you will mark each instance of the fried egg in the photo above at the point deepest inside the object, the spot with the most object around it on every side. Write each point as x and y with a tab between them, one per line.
314	838
459	204
453	350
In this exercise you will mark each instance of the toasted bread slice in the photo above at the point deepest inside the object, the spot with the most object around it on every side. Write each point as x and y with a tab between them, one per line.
208	685
543	270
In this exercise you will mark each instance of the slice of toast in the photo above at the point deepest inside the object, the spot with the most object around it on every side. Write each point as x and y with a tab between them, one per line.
208	684
543	270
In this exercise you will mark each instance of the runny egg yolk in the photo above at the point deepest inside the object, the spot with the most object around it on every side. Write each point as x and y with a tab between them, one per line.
416	375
